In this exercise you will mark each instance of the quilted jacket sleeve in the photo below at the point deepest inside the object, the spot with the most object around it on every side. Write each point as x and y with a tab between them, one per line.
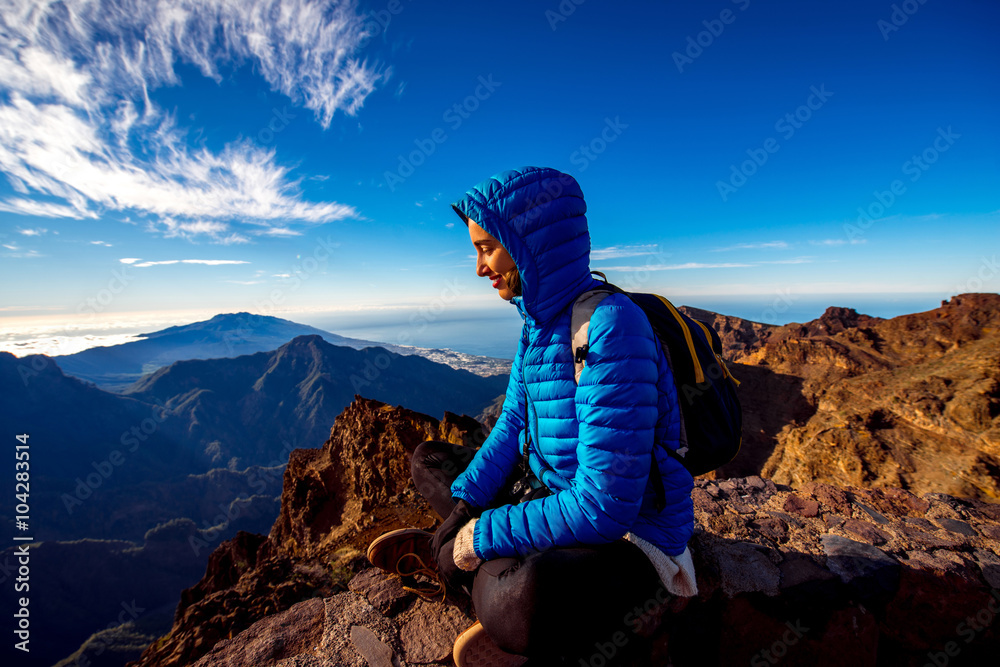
616	409
498	456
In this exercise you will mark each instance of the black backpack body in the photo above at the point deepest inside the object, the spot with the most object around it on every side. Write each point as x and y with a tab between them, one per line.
711	416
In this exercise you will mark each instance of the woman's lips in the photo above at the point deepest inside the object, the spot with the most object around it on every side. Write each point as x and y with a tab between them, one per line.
496	282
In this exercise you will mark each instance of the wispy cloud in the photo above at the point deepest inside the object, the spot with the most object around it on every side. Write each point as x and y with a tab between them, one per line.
38	209
17	252
836	242
770	245
166	262
101	243
214	262
796	260
676	267
80	135
617	252
212	230
32	232
279	231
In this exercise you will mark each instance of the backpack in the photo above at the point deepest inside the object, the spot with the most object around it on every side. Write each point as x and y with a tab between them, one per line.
711	417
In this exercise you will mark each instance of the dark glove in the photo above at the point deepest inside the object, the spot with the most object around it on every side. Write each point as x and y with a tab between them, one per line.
461	515
452	576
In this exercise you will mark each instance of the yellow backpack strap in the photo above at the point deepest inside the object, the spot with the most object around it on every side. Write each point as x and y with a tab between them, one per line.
699	374
722	362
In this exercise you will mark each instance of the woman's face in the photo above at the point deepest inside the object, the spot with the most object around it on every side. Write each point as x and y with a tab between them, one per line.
492	260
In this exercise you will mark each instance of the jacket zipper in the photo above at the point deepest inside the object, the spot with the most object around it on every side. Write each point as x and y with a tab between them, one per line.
531	416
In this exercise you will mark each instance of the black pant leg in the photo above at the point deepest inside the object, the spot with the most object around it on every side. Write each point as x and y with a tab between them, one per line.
434	466
572	603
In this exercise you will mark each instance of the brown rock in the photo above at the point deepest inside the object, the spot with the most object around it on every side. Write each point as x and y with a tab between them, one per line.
743	567
871	513
928	540
992	532
900	501
869	572
908	402
739	507
428	631
866	532
703	502
802	570
834	520
727	486
989	563
956	526
344	611
806	507
292	632
790	519
384	592
375	652
772	527
989	510
940	501
923	524
363	467
831	497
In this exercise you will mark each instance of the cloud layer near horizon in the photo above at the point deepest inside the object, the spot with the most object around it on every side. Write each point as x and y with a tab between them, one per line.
79	134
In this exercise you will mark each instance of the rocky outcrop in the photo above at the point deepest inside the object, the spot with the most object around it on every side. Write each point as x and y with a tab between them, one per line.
360	478
872	576
875	577
350	629
910	402
335	500
739	337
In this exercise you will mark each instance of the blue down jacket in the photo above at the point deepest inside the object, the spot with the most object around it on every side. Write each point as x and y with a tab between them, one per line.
591	444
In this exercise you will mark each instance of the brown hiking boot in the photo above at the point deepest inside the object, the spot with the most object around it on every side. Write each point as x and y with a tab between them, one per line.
474	648
407	553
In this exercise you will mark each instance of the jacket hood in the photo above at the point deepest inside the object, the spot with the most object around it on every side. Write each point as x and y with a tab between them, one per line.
539	216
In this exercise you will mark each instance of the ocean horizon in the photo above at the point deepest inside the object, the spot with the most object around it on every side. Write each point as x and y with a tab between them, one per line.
497	335
492	333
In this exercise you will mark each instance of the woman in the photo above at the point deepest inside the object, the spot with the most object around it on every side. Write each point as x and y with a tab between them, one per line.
560	569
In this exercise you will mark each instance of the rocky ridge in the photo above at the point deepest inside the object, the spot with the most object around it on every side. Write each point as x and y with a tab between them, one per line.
335	500
910	402
873	576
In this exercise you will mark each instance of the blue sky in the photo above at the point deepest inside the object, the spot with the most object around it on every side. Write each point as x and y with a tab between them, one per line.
172	160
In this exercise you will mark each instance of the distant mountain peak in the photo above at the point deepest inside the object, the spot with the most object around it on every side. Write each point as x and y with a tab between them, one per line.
242	322
306	339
